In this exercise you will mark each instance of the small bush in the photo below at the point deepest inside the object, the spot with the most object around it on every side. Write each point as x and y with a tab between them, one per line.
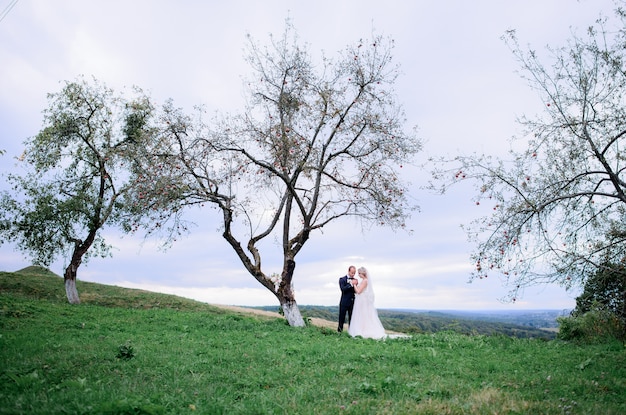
596	325
125	351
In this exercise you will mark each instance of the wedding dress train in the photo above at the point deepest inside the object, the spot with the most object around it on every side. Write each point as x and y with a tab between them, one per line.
365	321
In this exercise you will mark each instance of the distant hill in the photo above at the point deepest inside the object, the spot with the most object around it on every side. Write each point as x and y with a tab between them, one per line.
528	325
541	319
38	270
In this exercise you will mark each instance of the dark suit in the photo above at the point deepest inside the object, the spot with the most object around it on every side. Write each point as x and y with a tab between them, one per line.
347	301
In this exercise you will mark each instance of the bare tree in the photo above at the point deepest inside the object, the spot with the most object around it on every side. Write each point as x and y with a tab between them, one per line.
316	143
73	178
558	201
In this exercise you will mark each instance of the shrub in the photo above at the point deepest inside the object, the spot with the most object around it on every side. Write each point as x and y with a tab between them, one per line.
597	324
605	289
125	351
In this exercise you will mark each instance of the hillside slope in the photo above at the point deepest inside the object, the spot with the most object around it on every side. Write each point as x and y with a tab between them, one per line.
41	283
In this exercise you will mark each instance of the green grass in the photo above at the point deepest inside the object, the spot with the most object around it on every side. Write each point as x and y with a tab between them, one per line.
134	352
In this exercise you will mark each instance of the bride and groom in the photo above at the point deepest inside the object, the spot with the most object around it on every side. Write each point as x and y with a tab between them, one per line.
357	301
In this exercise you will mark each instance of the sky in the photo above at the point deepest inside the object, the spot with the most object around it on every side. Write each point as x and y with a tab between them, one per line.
459	86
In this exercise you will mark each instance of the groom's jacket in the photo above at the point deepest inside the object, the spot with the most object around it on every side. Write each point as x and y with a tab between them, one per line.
347	290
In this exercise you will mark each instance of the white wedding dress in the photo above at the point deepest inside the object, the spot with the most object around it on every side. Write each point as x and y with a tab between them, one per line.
365	321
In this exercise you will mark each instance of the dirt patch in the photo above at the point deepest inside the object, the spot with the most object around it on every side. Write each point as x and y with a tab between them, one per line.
319	322
246	310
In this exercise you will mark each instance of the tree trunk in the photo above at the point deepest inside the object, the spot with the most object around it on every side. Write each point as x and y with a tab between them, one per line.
80	248
287	297
70	284
292	313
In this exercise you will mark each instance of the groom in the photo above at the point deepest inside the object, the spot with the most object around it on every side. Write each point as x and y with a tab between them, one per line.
346	284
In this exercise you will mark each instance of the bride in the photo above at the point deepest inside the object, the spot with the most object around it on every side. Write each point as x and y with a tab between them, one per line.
365	321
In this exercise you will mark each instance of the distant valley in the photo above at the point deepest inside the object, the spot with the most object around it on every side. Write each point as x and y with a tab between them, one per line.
514	323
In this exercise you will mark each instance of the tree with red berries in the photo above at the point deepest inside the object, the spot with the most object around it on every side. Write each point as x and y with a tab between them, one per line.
559	203
317	142
75	177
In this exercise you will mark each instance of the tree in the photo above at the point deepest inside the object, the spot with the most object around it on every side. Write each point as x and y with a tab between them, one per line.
606	289
600	311
559	202
76	177
314	144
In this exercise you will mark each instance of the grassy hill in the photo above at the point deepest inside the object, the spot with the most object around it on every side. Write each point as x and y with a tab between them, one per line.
134	352
47	285
40	283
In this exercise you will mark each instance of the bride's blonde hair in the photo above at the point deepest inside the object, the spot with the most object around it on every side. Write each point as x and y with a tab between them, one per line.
363	270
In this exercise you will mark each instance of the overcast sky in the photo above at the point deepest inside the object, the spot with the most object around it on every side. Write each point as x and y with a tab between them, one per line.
459	86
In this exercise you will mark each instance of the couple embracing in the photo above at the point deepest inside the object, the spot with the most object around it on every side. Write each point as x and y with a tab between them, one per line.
357	301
